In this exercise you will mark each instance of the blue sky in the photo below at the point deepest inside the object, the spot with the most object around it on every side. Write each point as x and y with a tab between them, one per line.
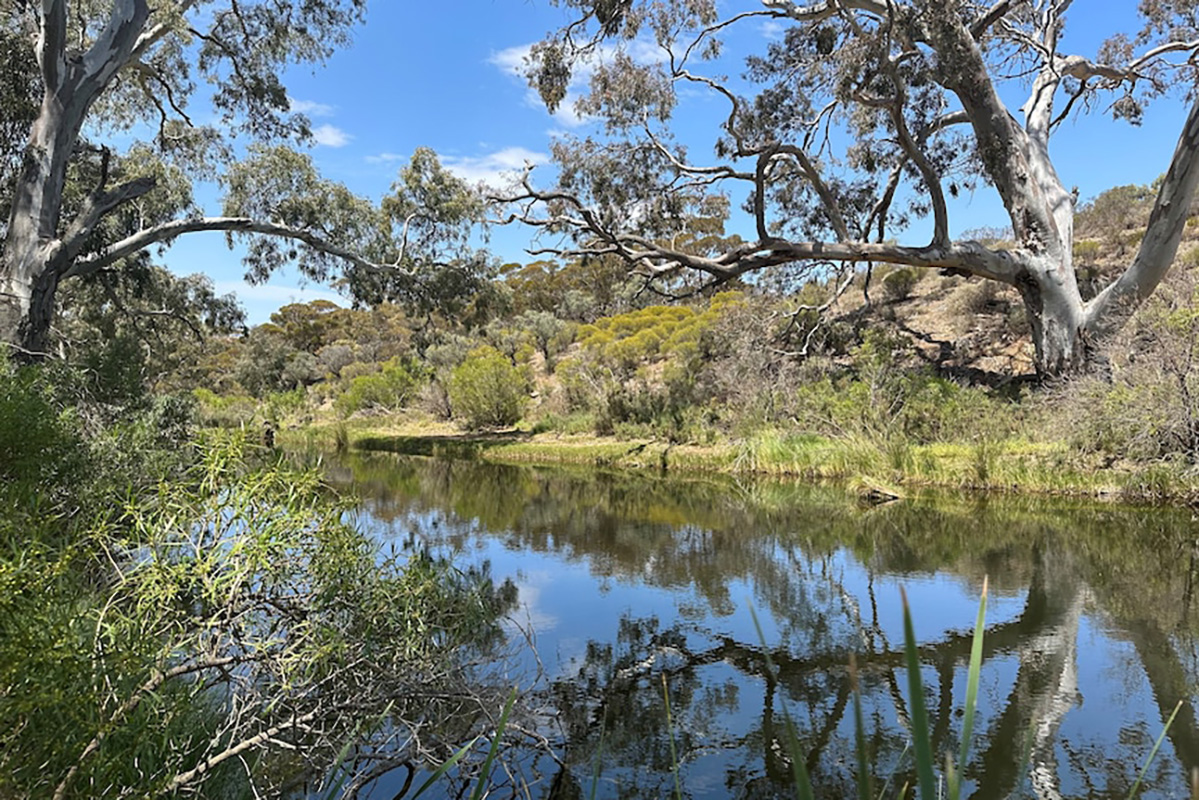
443	75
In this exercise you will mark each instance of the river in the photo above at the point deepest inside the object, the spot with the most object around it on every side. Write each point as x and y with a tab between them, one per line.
631	582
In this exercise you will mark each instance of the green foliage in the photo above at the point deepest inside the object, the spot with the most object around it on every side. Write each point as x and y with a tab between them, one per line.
233	582
625	340
487	391
1150	410
311	326
41	451
392	387
899	283
224	411
885	400
549	334
1086	250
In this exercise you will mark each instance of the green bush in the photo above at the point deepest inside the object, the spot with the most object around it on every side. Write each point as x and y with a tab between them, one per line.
487	391
40	448
1086	250
390	388
898	284
280	405
224	411
127	658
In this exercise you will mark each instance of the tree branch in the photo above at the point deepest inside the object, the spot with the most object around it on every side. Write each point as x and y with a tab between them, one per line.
130	705
827	199
52	42
184	778
94	209
114	47
1108	310
170	230
993	15
1002	142
816	12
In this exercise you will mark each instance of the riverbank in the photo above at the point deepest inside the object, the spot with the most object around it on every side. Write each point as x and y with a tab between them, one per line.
1009	466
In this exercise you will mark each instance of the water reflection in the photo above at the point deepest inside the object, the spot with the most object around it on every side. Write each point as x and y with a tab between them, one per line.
635	582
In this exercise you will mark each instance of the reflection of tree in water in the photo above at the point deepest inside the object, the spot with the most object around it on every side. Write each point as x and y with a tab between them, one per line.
1135	570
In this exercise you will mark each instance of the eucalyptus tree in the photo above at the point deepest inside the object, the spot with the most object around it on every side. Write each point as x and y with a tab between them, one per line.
80	75
865	116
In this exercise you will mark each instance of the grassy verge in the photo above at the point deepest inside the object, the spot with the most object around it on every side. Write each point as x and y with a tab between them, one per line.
1010	466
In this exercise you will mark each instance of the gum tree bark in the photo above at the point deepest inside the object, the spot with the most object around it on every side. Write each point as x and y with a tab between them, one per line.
917	84
34	255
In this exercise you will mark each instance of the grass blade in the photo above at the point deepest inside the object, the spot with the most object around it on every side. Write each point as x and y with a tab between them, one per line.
882	794
674	758
1152	753
799	765
446	767
972	676
920	741
481	786
599	756
859	734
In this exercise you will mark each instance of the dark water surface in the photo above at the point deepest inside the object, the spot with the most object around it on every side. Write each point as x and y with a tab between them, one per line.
626	579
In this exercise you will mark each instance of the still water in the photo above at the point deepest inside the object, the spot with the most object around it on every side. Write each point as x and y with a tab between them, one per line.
631	582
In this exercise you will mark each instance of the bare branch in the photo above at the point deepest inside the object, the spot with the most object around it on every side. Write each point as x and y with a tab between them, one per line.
132	702
815	12
1108	310
96	207
201	769
146	71
170	230
826	196
992	16
915	151
52	42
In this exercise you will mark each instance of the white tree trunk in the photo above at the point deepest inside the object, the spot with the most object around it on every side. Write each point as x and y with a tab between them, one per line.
34	255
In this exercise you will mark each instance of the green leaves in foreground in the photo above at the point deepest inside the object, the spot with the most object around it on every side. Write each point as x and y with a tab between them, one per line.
925	763
238	580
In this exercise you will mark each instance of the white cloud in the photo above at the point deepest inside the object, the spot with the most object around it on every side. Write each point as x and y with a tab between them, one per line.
310	107
330	136
495	168
773	30
384	158
512	60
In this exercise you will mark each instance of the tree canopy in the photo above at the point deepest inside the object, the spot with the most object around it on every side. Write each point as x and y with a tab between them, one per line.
77	74
864	117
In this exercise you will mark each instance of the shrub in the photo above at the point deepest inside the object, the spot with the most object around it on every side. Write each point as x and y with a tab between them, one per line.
128	658
972	298
390	388
1086	250
898	284
487	391
280	405
218	411
1149	409
39	444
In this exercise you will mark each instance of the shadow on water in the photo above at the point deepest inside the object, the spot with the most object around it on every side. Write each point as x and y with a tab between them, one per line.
460	446
629	579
